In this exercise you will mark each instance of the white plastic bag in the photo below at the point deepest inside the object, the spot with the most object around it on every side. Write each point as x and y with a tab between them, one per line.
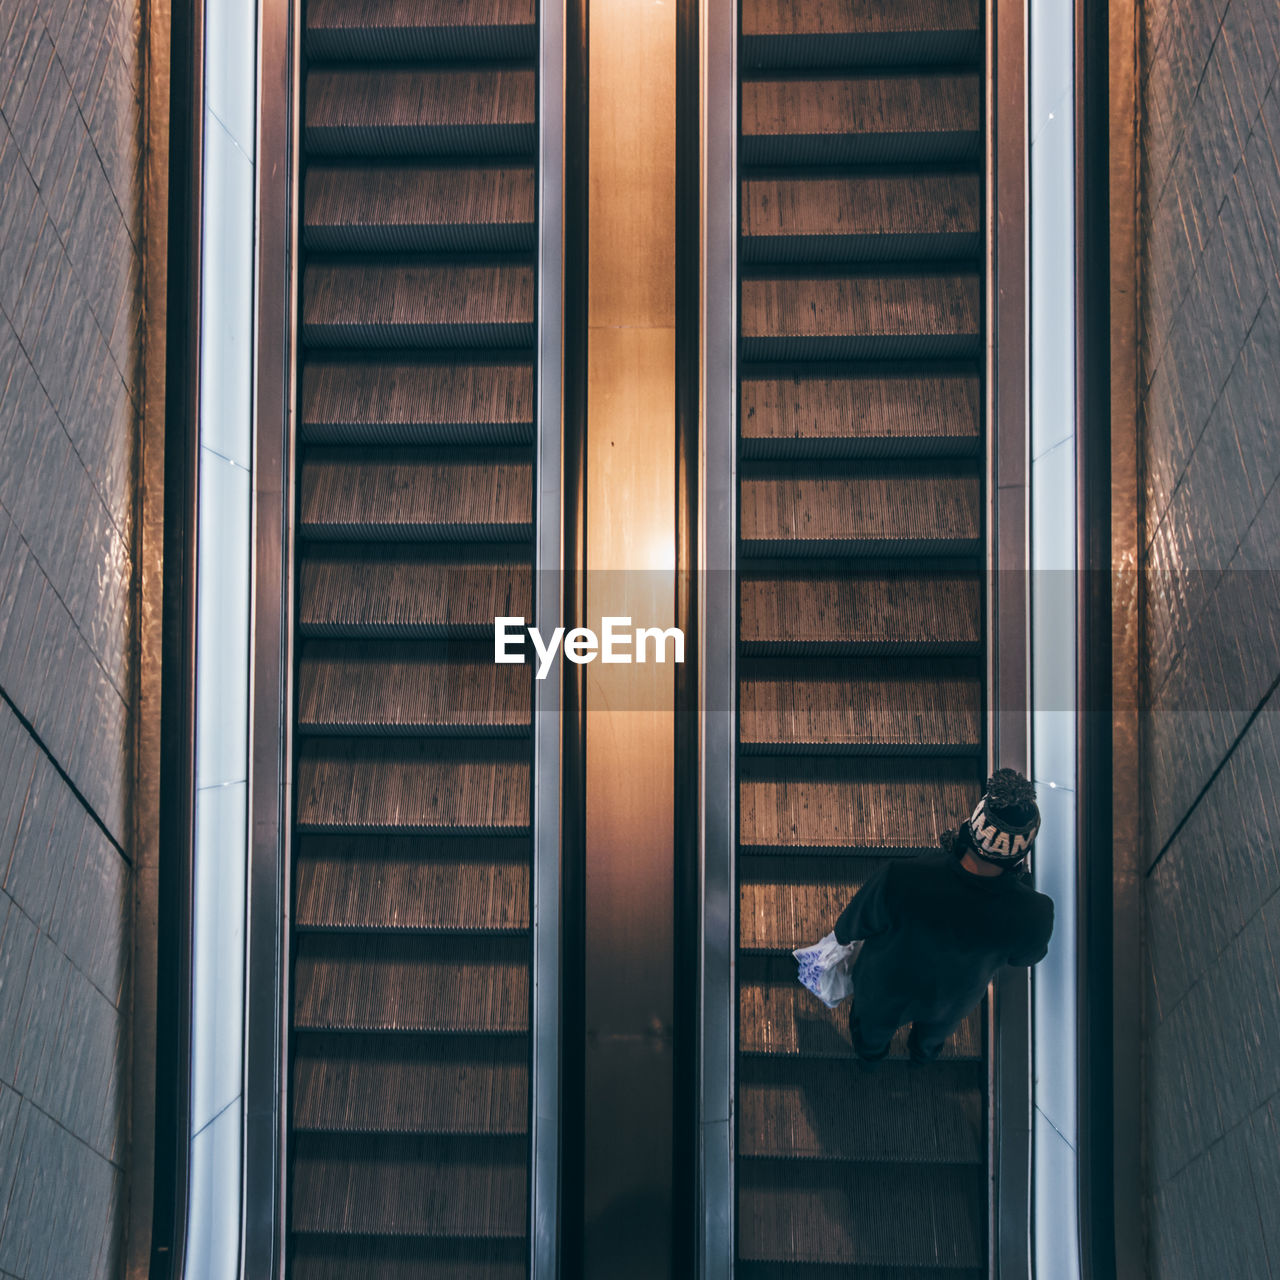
826	968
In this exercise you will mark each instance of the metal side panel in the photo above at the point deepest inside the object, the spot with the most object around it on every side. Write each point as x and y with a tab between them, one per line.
717	629
1008	604
270	781
544	1183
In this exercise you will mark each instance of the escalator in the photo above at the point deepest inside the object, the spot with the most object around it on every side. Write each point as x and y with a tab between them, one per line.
861	698
410	928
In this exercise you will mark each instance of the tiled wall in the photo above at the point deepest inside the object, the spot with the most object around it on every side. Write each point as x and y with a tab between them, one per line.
1210	358
70	324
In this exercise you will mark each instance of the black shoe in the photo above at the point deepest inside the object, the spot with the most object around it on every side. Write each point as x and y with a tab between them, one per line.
868	1061
914	1054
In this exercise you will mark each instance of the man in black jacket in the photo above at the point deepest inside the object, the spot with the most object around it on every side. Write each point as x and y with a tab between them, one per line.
936	928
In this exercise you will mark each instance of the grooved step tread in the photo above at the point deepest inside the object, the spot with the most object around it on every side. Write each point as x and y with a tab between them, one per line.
781	33
441	785
420	402
388	1258
380	982
452	1187
859	1215
420	29
377	208
864	217
403	112
418	304
778	1017
410	687
464	884
892	807
883	508
865	317
407	495
875	415
859	613
830	17
384	592
855	119
835	1271
790	902
878	706
827	1110
411	1084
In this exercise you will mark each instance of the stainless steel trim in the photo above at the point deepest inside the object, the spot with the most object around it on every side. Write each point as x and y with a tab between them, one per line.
271	660
544	1182
1008	618
718	613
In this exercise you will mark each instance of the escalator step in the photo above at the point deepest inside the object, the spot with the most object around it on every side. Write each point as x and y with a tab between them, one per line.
417	403
472	885
861	317
779	1018
426	30
829	1110
861	119
414	209
888	807
789	902
872	416
882	508
388	1258
898	1215
781	33
410	1186
383	982
878	706
383	592
410	687
398	112
414	495
867	217
827	613
418	304
411	876
835	1271
411	1084
440	786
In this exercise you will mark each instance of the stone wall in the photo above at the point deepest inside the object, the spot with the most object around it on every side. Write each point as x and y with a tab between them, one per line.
1210	456
70	334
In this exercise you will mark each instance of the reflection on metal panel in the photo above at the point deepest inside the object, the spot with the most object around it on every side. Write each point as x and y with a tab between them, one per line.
718	618
1008	657
548	604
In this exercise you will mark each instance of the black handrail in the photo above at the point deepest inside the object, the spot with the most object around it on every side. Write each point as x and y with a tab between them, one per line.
178	649
686	753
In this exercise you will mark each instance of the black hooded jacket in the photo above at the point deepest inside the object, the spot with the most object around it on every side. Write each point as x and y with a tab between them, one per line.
934	934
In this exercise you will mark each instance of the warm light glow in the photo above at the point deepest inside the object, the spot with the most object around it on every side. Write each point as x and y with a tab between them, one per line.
630	554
